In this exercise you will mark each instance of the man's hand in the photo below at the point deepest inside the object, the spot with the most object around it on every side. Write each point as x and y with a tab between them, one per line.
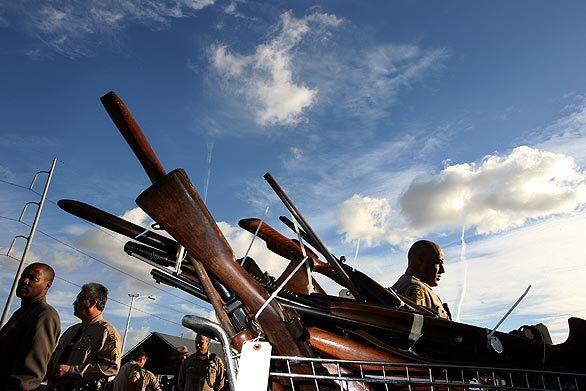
134	376
62	370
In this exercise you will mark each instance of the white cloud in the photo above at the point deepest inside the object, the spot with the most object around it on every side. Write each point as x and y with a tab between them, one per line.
232	9
364	218
363	81
135	335
76	229
227	63
545	254
74	28
6	173
568	134
500	193
239	240
296	152
67	261
266	78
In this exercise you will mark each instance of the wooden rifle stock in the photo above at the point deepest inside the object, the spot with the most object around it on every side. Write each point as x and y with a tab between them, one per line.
171	199
307	228
367	282
176	205
291	249
288	249
343	348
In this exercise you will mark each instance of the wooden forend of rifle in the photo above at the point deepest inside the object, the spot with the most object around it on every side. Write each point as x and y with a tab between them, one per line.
175	204
341	347
288	249
213	296
117	224
132	133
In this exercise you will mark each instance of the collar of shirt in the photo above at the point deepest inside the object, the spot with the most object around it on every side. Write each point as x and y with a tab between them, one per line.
413	274
38	300
94	320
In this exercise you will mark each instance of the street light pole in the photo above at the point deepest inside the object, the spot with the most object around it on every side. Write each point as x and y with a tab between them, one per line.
133	296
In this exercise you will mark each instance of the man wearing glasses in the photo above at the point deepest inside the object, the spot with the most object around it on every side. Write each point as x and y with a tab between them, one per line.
89	352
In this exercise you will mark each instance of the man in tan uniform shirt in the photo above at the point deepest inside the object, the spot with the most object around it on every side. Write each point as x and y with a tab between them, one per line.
202	371
150	382
29	337
88	351
131	375
426	265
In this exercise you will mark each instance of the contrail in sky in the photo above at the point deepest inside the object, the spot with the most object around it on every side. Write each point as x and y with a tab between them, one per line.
465	279
356	253
207	182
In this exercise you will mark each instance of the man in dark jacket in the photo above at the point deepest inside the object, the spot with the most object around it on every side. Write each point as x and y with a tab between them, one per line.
29	337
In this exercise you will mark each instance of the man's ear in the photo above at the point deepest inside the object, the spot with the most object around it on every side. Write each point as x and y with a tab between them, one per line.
49	283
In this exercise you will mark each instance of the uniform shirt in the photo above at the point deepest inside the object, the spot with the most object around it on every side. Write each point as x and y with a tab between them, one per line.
150	381
201	373
95	354
122	381
421	293
27	341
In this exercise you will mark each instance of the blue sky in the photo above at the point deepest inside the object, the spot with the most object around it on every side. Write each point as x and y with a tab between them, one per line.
384	121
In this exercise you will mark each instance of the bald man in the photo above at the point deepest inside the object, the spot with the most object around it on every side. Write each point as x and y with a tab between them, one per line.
426	265
29	337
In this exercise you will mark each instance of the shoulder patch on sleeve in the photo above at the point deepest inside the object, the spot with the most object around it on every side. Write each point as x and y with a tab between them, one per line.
112	338
415	293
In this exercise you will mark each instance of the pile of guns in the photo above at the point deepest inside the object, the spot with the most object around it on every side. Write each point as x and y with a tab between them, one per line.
292	311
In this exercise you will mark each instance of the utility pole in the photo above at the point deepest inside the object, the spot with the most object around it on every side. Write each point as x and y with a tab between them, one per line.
29	238
133	296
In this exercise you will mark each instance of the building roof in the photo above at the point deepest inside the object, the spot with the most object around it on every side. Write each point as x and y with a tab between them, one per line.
161	351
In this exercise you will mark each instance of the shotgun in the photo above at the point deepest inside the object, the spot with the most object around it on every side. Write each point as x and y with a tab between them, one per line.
174	203
159	252
118	225
375	292
332	261
288	249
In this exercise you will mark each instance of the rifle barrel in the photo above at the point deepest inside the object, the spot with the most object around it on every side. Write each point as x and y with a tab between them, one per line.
339	270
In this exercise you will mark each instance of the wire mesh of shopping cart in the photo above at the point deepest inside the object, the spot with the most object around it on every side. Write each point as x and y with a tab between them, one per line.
346	375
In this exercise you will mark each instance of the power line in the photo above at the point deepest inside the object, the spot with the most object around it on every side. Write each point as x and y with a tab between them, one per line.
94	258
113	299
109	265
95	226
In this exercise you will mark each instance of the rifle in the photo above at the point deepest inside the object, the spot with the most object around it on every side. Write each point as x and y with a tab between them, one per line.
290	249
333	262
174	203
374	291
117	224
158	253
444	339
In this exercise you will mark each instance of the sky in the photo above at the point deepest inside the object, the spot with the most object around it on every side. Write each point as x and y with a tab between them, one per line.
385	121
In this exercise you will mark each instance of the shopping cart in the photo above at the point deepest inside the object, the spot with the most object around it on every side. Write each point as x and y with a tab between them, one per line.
352	375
